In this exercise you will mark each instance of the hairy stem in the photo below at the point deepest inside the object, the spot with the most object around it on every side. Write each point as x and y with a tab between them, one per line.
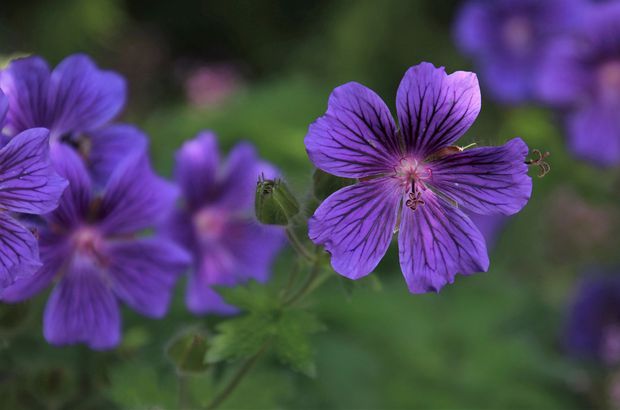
297	244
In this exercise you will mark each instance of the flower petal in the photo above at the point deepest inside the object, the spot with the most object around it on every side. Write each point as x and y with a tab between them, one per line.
437	241
202	299
109	146
25	82
473	26
54	250
238	178
356	137
356	224
486	180
4	108
564	78
435	109
19	251
143	273
135	198
82	97
253	247
74	205
196	169
82	309
28	182
593	134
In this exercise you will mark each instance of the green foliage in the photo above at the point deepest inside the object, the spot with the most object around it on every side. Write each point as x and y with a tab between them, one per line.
266	325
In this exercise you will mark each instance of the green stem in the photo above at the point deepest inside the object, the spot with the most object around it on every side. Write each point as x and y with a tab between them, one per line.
237	378
314	279
297	245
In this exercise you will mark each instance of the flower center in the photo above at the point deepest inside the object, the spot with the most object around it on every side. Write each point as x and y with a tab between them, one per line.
611	345
210	223
609	80
517	34
88	242
413	175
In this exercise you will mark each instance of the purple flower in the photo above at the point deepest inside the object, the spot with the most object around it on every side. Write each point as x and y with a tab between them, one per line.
593	329
75	101
93	245
581	76
412	179
508	38
29	185
216	221
489	226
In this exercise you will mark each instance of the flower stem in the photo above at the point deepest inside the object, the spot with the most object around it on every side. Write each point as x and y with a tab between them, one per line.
237	378
297	244
314	279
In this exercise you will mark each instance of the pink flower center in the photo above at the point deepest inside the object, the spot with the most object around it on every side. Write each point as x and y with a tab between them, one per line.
413	175
88	242
609	80
210	223
517	34
611	345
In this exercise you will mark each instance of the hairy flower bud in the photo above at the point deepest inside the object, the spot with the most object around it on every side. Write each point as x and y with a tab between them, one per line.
275	204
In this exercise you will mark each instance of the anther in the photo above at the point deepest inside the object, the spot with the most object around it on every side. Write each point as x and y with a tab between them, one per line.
539	161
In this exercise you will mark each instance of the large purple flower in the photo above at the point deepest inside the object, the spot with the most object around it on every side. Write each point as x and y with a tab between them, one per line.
581	76
28	185
75	101
412	179
593	329
93	245
508	38
216	221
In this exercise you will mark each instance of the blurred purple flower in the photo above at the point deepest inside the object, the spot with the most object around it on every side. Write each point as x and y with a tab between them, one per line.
413	174
508	39
216	221
581	76
75	101
212	84
28	184
93	244
593	329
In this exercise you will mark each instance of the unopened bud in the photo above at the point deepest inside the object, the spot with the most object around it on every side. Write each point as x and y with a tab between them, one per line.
326	184
187	352
275	204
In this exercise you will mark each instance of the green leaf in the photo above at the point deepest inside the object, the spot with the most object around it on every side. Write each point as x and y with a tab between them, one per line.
287	332
187	352
292	344
241	338
252	297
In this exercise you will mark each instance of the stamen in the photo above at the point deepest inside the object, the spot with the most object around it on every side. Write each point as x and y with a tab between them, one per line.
415	199
544	167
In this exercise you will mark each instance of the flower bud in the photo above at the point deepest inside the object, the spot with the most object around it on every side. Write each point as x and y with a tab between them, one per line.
326	184
275	204
187	352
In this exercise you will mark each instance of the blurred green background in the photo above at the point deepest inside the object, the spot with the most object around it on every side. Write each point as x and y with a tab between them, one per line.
262	71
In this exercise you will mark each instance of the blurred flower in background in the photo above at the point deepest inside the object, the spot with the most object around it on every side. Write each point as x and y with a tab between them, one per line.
577	228
76	101
212	84
216	221
91	244
509	38
580	76
593	329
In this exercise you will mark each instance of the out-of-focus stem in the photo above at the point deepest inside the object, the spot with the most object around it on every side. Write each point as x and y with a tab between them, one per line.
297	244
